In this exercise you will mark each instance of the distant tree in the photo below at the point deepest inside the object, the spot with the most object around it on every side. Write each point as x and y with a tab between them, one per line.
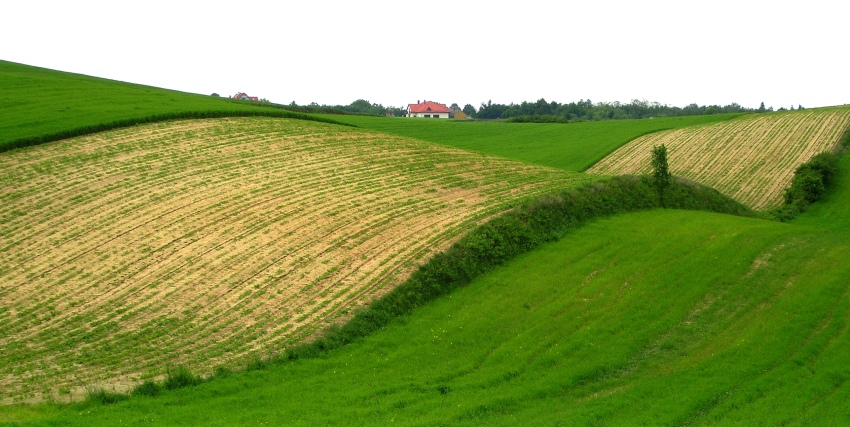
660	170
761	107
214	94
469	110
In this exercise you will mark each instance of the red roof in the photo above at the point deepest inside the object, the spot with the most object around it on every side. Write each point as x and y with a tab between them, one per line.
243	95
428	107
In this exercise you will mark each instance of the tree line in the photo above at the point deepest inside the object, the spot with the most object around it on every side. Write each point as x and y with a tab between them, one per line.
585	110
546	111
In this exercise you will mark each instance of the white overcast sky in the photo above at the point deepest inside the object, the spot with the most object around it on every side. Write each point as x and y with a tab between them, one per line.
465	51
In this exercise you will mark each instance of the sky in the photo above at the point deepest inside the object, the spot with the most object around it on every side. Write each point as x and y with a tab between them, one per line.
782	53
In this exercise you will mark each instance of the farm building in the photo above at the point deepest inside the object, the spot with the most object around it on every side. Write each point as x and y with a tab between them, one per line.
242	95
428	110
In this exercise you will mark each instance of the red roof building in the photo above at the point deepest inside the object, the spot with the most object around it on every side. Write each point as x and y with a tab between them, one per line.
245	96
428	110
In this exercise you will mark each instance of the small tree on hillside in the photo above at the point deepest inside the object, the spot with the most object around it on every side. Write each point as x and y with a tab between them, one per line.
660	170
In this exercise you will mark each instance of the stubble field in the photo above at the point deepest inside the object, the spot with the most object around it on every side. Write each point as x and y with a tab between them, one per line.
751	158
210	243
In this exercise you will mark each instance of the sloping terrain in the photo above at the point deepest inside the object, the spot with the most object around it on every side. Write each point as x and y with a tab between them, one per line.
663	317
751	158
39	105
211	242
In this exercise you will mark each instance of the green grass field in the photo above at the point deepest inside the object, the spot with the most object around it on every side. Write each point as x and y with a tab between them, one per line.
572	147
38	102
661	317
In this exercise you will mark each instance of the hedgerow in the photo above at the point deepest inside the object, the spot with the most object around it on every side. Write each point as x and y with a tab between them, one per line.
811	180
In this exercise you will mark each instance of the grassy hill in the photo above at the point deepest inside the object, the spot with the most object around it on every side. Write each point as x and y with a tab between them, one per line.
663	317
751	158
38	105
214	242
572	147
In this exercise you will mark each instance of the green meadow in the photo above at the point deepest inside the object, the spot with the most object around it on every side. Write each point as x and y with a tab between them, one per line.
39	105
567	146
653	317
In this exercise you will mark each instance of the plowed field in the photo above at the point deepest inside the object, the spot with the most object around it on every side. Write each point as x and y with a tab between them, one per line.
212	242
751	158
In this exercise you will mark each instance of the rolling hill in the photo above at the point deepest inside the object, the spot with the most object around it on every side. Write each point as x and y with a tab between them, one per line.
39	105
213	243
663	317
751	158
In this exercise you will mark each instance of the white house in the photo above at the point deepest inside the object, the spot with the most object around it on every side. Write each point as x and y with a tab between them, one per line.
428	110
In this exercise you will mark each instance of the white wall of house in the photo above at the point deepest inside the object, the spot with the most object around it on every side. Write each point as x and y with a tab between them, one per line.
429	115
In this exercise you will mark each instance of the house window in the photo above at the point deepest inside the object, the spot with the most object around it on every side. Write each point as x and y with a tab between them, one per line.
427	116
436	116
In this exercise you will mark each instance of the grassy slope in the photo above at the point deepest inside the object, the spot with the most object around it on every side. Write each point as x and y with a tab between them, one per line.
659	317
572	147
35	102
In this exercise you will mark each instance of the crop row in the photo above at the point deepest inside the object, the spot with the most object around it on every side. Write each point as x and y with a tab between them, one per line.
212	242
751	158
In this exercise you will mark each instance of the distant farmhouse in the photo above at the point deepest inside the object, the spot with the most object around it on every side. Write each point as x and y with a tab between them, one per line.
245	96
428	110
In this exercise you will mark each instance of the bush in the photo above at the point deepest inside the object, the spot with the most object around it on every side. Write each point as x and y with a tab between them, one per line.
811	179
102	397
180	377
147	388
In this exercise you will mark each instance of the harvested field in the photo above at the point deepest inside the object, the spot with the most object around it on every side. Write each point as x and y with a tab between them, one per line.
751	158
210	243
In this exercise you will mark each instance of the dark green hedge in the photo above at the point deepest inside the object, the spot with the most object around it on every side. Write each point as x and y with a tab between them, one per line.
811	180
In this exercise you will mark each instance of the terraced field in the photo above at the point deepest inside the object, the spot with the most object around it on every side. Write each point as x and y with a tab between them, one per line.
751	158
208	243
